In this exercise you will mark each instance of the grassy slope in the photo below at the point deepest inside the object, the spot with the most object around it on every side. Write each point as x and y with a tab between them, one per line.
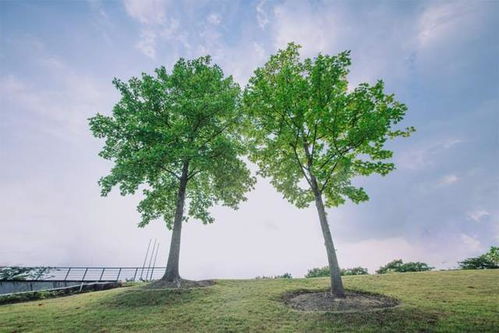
462	301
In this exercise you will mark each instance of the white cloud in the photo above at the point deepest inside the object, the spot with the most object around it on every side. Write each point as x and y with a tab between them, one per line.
424	155
214	19
147	11
60	110
449	179
299	23
152	15
472	243
450	142
147	43
262	16
478	214
443	19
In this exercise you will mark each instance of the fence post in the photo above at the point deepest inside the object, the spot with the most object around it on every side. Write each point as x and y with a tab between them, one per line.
135	275
118	277
84	274
67	274
102	274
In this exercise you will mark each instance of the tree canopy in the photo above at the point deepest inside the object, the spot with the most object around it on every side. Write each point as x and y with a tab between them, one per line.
398	266
489	260
306	121
170	124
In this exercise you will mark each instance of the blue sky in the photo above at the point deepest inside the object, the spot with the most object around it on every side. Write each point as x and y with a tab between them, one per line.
57	61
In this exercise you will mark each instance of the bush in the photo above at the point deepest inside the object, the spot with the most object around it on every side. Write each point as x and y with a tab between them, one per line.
398	266
489	260
354	271
22	273
318	272
324	271
283	276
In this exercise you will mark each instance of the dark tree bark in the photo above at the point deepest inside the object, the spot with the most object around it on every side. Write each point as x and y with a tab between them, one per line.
334	269
172	274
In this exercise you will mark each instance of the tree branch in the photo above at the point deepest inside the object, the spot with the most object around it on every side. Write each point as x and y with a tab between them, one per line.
302	167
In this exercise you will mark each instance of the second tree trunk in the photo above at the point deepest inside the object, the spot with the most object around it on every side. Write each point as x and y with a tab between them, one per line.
334	269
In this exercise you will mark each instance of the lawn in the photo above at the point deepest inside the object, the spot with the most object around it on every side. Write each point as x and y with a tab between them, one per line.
450	301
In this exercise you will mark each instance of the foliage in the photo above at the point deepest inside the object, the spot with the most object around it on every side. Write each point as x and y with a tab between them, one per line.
433	302
318	272
173	124
398	266
354	271
22	273
489	260
283	276
306	127
324	271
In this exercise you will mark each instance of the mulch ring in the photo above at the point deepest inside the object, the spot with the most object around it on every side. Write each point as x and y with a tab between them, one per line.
355	301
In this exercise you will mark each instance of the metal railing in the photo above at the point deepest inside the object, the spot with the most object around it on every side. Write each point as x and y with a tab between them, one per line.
98	274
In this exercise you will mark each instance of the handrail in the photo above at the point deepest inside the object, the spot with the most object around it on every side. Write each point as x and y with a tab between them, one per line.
88	273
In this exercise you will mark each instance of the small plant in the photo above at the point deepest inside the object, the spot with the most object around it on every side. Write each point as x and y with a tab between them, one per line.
398	266
489	260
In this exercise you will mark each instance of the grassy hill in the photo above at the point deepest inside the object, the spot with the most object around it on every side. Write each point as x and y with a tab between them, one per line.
453	301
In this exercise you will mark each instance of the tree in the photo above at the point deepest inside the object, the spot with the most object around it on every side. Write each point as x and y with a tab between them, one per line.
311	135
176	134
398	266
489	260
23	273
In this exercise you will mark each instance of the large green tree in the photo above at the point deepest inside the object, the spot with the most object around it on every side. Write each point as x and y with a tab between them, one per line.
175	135
311	134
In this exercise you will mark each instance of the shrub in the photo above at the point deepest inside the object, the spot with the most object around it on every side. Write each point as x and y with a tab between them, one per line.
398	266
284	276
22	273
324	271
354	271
489	260
318	272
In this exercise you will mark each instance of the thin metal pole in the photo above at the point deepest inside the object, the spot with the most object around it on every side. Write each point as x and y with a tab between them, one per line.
145	259
135	275
150	259
102	274
118	277
69	270
154	264
84	274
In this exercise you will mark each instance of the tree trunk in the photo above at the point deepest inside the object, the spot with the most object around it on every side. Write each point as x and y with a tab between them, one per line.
334	269
172	274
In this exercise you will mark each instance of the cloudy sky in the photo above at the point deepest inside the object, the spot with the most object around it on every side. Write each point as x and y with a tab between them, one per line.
57	61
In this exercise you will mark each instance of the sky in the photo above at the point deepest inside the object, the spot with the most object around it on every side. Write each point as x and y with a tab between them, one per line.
57	61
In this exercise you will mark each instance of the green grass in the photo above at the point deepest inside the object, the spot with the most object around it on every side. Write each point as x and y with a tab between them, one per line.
452	301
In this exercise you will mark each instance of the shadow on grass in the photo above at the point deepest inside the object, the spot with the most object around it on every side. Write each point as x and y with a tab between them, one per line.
400	319
141	297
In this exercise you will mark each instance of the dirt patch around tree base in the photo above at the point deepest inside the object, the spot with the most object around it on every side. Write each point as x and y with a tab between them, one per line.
355	301
179	284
